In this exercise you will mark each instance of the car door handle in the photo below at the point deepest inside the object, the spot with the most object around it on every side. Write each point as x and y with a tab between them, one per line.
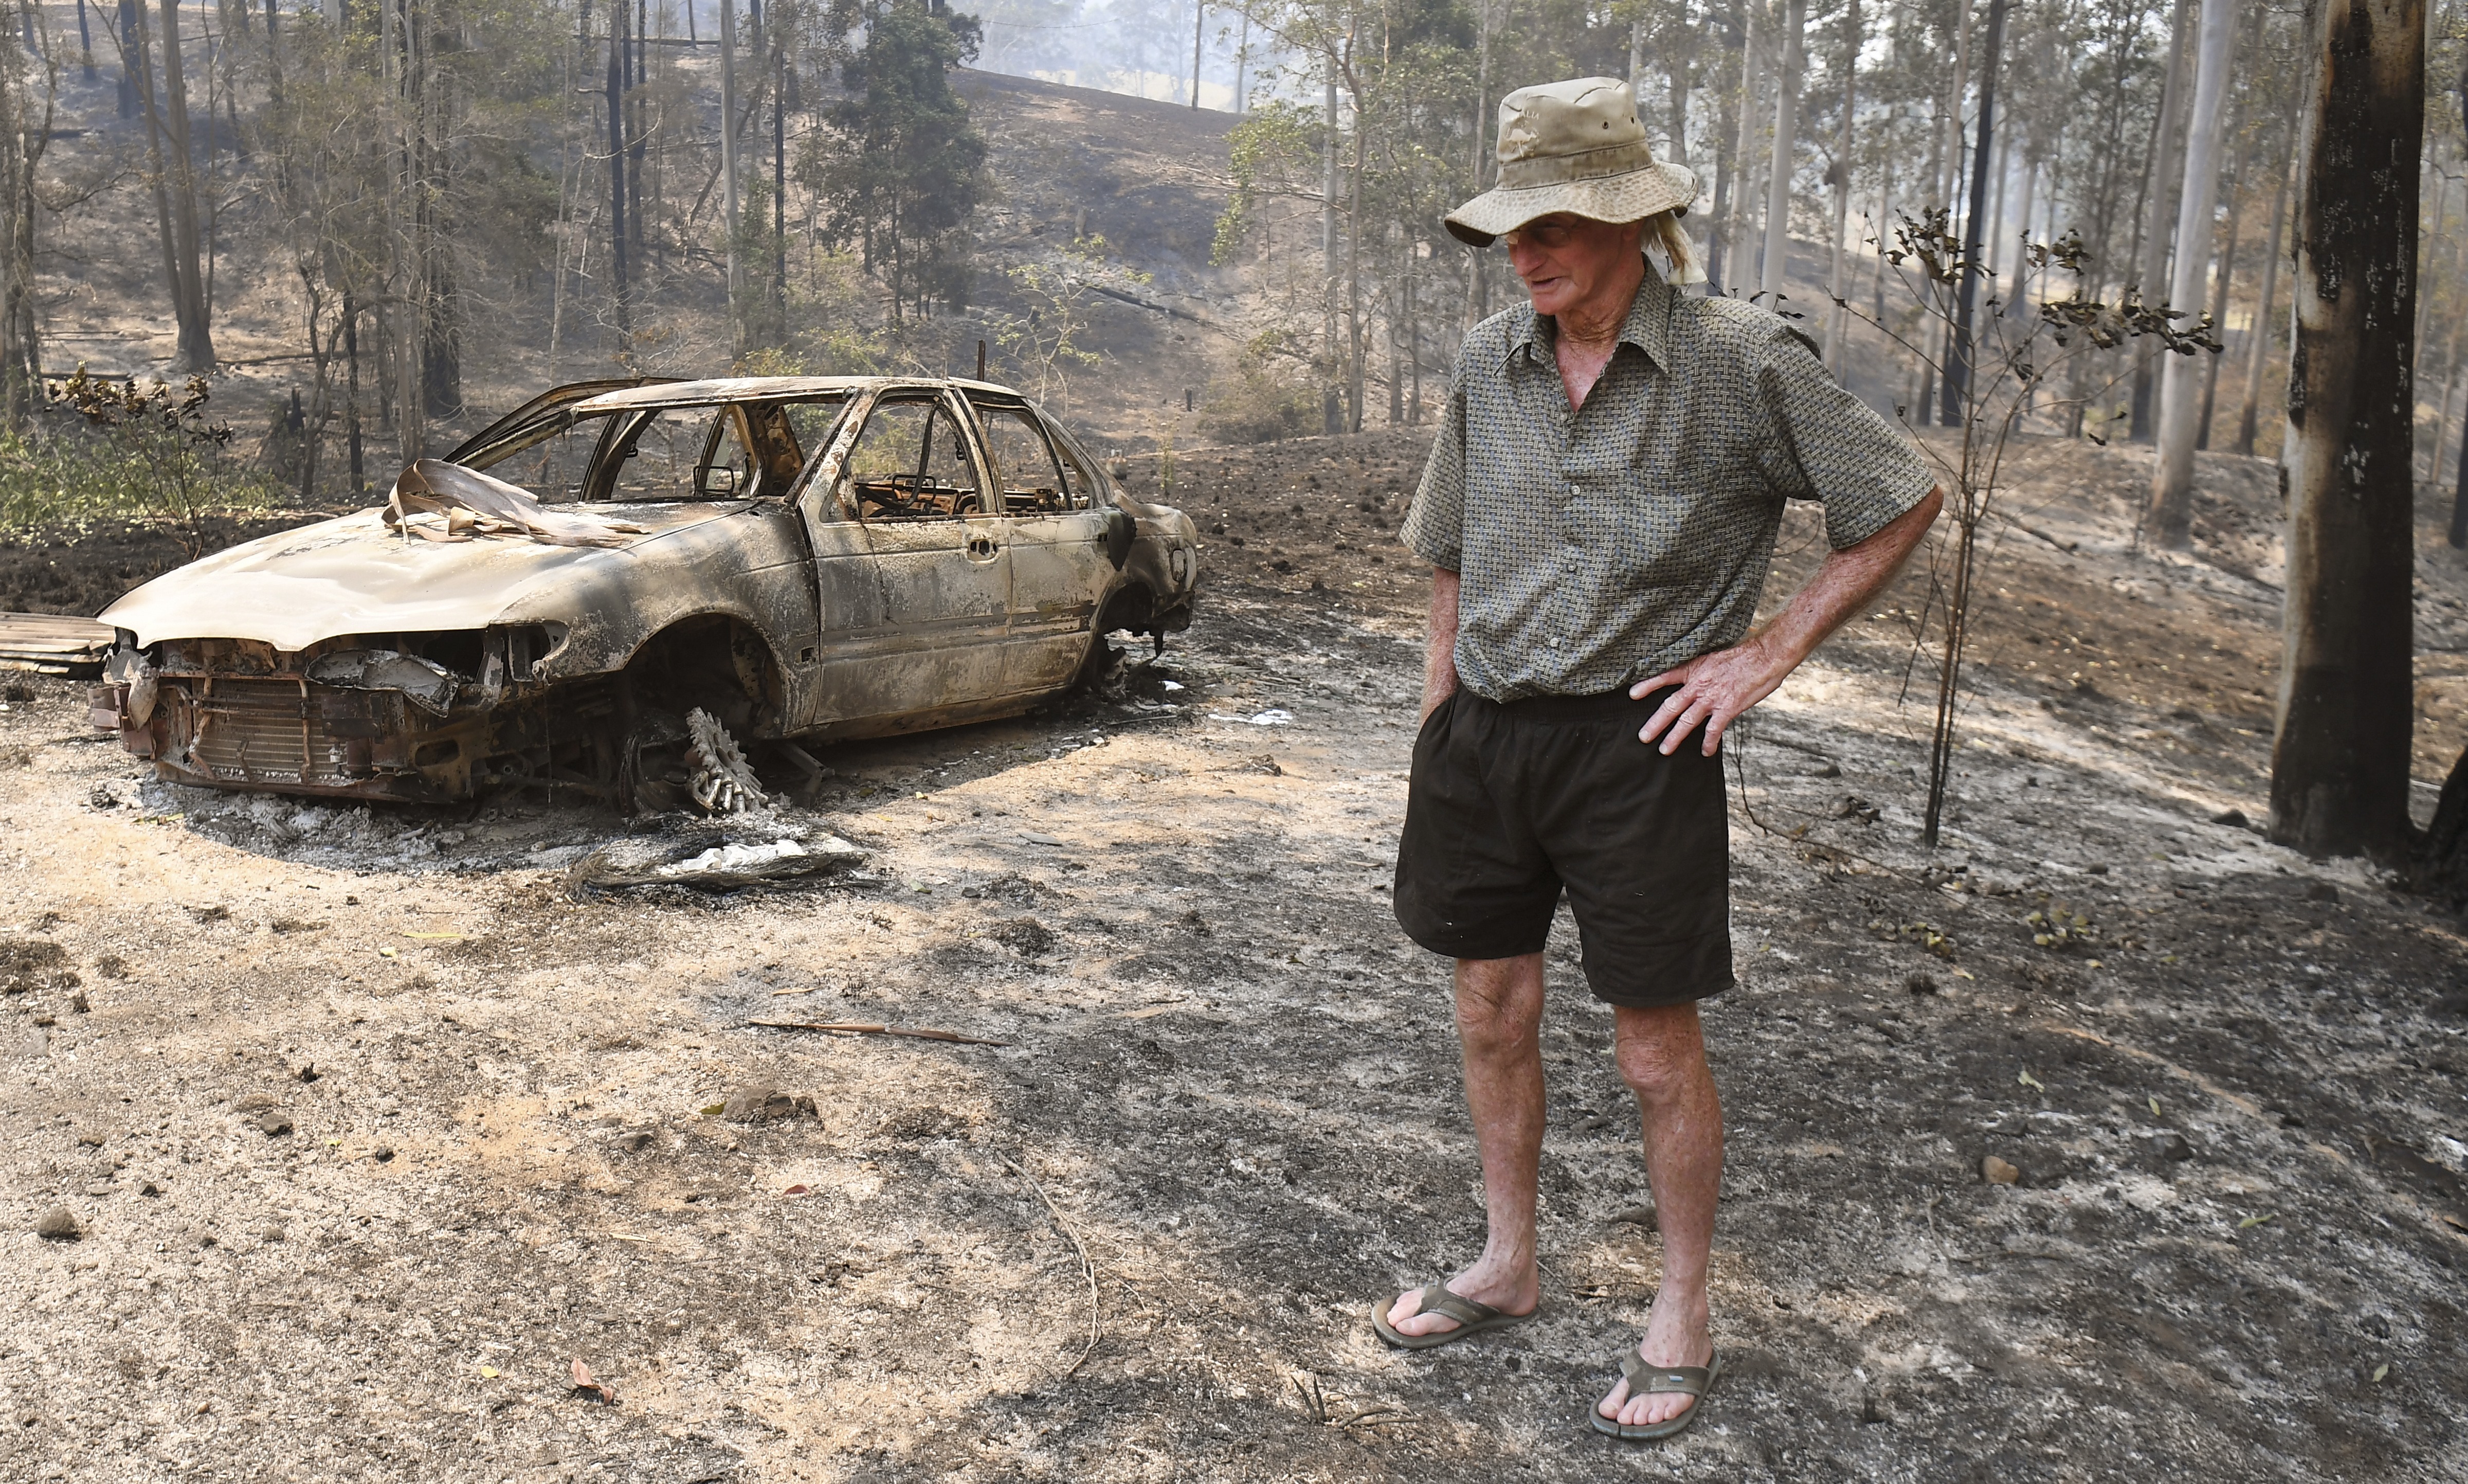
982	548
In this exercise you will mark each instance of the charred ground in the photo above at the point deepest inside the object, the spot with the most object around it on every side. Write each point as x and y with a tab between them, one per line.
2232	1086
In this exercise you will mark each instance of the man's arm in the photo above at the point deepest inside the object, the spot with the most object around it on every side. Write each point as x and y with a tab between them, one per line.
1715	689
1440	660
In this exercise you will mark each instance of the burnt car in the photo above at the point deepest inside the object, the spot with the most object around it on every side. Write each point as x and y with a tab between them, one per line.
582	594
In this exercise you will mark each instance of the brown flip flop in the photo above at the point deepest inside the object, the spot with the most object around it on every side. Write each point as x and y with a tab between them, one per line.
1645	1381
1471	1315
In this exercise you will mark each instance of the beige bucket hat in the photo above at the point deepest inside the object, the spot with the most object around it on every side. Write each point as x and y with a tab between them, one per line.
1572	147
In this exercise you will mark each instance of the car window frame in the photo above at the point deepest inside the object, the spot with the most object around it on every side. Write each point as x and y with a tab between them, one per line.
544	417
1102	493
962	416
982	409
826	447
628	425
560	420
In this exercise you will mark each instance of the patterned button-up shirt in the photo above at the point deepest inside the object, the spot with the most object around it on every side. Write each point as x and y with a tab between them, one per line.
1601	547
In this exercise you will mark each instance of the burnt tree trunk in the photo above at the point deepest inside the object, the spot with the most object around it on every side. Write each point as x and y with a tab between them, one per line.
195	321
1956	386
2459	499
617	237
2340	763
2158	206
440	346
2258	350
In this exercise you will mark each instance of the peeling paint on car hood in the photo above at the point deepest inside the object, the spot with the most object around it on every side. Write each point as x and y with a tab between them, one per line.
352	575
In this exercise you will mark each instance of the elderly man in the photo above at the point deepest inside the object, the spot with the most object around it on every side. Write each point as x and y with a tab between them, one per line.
1599	510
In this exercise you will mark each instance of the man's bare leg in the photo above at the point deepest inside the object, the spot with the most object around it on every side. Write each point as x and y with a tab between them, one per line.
1500	1025
1662	1058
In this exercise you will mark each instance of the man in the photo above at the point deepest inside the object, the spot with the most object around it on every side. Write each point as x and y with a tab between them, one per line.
1599	510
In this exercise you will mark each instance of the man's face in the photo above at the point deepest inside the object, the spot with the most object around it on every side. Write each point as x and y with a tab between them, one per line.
1567	259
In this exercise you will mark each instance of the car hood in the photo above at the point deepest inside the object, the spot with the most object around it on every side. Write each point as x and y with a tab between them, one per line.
352	576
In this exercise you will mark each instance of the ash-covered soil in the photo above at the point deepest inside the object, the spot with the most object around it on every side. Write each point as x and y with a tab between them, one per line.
2230	1084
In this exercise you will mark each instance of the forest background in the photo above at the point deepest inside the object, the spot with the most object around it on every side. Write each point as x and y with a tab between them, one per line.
336	236
412	213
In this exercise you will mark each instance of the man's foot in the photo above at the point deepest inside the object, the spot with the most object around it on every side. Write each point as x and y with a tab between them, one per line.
1676	1334
1517	1297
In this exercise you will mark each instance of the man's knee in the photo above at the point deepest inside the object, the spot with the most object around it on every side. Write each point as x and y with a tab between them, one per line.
1500	1003
1661	1052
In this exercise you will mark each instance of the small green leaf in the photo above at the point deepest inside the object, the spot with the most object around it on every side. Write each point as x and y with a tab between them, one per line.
715	1110
2381	1371
2255	1221
2154	1107
2024	1079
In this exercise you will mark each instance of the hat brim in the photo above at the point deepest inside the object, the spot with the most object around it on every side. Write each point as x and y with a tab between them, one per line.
1629	196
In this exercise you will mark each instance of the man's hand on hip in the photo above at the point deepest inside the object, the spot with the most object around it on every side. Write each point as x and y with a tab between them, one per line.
1714	690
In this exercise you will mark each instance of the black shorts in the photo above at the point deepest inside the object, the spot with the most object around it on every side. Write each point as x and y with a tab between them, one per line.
1512	804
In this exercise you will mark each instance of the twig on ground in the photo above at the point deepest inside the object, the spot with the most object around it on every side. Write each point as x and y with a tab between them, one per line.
1086	1267
2068	547
860	1028
1740	770
1377	1417
1313	1402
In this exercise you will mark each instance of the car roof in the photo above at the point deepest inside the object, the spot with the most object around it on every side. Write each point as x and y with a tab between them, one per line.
736	389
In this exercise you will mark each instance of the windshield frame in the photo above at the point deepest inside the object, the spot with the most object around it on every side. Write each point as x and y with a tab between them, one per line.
627	427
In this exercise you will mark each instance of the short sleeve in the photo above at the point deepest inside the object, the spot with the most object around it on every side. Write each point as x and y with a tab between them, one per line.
1434	527
1842	453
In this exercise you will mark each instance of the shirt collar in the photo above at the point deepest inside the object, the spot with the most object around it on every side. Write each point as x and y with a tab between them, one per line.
1649	316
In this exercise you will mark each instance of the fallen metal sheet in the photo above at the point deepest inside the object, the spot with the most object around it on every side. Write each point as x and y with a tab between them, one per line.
53	643
708	864
474	503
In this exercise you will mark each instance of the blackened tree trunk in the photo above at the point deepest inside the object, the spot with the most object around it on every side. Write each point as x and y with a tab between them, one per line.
28	119
2259	350
1717	240
352	406
1956	410
1837	282
617	237
780	191
2459	500
176	285
441	341
2159	205
129	20
2223	279
195	317
2340	763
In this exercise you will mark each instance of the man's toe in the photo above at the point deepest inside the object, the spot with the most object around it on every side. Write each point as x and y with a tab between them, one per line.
1657	1407
1411	1304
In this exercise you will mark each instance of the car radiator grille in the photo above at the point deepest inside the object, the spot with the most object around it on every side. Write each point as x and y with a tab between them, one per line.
265	731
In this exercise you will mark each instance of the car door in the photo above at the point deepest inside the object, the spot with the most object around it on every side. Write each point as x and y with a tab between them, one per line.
1060	569
913	572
